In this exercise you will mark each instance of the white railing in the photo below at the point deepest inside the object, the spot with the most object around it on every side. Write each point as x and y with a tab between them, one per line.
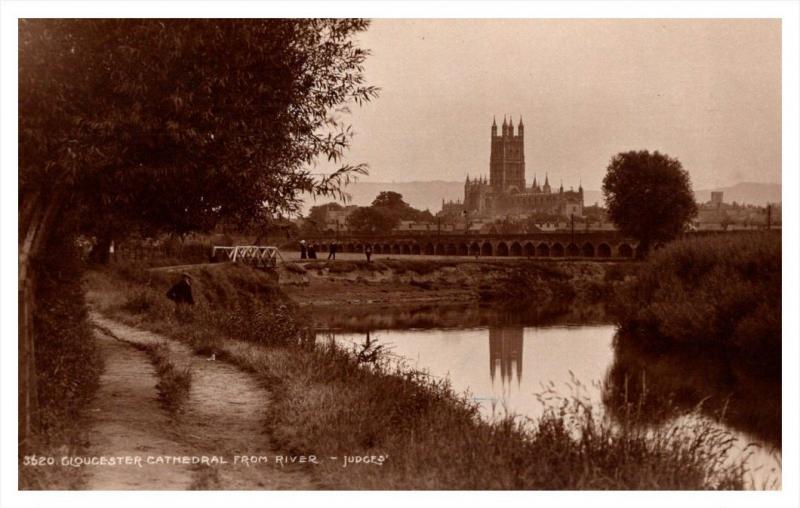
258	255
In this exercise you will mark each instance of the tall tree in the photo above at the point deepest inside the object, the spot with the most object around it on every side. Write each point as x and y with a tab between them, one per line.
173	125
392	203
648	196
391	200
372	220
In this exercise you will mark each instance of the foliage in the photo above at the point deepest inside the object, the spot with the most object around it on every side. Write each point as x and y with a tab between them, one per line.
68	364
721	291
171	124
391	203
384	214
649	196
371	220
391	200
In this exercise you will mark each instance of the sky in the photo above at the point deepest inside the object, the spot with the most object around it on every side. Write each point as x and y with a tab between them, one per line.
705	91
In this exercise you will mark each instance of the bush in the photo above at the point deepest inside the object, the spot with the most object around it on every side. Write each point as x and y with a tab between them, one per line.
722	291
68	363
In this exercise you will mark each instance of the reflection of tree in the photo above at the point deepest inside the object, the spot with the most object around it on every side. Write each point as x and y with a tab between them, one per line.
401	317
664	383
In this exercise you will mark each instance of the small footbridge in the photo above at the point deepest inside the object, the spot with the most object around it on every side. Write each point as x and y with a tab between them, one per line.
259	256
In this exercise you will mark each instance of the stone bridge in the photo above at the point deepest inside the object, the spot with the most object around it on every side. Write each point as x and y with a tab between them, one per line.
578	245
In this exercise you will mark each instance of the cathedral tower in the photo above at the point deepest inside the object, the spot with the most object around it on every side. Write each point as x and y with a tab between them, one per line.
507	160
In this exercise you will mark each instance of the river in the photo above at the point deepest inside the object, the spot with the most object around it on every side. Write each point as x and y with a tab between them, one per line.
510	362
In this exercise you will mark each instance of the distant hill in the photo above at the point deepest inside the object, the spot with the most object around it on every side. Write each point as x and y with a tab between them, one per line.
420	195
429	195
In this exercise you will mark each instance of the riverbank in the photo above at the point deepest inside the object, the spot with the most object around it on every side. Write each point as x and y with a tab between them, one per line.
452	281
422	435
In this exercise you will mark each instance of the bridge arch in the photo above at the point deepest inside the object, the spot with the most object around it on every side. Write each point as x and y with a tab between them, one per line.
573	250
415	248
396	248
474	249
502	249
516	249
557	250
463	250
625	251
429	249
406	248
486	249
349	248
604	250
588	250
440	249
359	247
529	249
376	248
543	250
451	249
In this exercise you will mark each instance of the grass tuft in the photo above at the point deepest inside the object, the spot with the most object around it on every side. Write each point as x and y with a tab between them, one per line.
174	382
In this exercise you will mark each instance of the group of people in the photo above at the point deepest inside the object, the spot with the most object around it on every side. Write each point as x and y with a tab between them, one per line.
309	252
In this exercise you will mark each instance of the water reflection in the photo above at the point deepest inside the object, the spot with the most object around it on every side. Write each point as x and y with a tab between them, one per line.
567	353
668	381
550	357
505	352
404	317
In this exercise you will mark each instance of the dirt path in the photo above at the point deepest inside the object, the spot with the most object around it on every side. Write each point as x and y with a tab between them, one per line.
223	416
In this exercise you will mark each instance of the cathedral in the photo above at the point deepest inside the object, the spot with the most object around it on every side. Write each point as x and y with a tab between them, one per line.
506	194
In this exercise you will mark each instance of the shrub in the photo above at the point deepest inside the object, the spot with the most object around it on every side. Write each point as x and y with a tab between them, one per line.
68	364
719	290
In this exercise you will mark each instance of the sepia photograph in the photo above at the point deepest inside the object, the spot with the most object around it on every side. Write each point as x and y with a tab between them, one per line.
322	252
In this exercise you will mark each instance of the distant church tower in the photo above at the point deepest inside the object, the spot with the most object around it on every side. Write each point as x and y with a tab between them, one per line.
507	160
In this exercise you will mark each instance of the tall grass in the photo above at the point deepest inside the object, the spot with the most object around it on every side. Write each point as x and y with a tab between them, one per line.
722	292
327	402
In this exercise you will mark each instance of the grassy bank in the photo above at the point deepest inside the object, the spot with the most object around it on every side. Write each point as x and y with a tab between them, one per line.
68	368
328	403
716	292
556	285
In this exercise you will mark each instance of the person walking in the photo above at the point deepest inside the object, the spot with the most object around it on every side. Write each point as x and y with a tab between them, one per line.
368	252
181	294
332	250
303	249
312	252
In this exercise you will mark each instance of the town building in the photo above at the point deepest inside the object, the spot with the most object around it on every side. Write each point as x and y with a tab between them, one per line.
717	215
